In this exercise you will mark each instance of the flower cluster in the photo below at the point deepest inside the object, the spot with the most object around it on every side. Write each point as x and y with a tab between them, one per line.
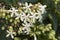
28	14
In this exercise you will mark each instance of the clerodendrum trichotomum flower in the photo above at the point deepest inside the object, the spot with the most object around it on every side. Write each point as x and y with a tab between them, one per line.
27	14
13	11
10	33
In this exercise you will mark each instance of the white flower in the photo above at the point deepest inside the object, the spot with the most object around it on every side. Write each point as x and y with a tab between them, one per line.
40	16
27	25
42	8
27	6
17	16
26	18
21	15
40	19
26	28
13	11
34	17
10	33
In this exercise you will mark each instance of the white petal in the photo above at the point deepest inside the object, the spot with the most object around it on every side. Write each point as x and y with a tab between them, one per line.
7	35
35	38
13	8
45	6
16	14
13	33
22	19
9	10
26	4
12	36
12	14
8	31
17	18
33	20
30	4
